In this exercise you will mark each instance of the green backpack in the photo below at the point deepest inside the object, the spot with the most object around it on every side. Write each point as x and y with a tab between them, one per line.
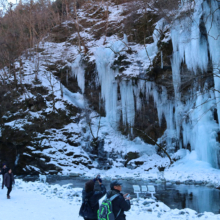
105	209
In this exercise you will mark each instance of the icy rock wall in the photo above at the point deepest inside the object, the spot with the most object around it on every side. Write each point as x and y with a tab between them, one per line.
194	39
196	43
109	86
129	93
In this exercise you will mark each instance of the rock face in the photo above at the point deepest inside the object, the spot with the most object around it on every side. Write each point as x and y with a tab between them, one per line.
143	82
96	152
32	138
158	96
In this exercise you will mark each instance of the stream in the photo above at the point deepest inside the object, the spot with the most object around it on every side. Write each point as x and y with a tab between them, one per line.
198	198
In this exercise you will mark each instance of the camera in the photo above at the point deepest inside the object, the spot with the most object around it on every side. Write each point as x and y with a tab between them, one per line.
98	177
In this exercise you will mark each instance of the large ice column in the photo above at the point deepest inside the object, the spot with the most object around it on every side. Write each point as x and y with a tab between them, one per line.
178	57
78	71
104	60
189	47
176	63
127	102
200	129
204	129
212	17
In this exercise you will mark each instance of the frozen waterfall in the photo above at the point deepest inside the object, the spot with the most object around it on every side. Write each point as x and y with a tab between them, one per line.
189	120
79	72
194	39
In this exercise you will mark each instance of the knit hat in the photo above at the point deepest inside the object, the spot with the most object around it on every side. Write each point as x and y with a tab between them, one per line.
115	183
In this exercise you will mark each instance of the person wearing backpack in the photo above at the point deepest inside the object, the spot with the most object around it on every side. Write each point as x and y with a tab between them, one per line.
90	199
116	203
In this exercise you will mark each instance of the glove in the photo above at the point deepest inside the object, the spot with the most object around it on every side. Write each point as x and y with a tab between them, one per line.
100	180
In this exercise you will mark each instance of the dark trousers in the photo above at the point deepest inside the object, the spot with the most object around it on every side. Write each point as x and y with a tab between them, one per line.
2	181
90	219
9	190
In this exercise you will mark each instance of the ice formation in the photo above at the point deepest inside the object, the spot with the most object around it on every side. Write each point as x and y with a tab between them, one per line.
212	16
79	72
201	130
193	39
129	93
127	101
104	60
196	42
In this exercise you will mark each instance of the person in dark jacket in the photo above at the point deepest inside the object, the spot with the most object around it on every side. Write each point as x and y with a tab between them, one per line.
3	172
8	181
93	197
121	203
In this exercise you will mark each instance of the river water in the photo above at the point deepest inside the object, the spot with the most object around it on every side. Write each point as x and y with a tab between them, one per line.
198	198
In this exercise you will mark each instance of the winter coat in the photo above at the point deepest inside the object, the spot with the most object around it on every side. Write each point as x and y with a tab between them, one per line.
94	197
4	171
8	179
119	203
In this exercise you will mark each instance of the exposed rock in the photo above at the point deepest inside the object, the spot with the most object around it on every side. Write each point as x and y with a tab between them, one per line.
74	174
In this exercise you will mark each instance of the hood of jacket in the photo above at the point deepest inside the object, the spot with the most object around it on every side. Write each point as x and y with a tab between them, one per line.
112	193
87	195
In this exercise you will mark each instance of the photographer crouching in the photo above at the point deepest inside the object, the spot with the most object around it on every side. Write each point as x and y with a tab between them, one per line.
90	199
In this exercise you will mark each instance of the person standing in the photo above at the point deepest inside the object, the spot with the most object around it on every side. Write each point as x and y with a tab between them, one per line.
121	203
8	181
3	172
90	199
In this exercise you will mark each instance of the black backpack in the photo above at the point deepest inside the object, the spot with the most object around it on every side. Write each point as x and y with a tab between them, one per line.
85	209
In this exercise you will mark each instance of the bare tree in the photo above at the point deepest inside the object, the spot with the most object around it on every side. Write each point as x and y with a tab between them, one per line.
107	21
52	87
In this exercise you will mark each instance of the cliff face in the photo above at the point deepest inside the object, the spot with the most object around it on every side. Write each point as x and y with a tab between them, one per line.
169	88
137	72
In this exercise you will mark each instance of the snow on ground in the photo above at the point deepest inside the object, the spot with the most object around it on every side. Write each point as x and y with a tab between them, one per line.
186	169
28	204
35	200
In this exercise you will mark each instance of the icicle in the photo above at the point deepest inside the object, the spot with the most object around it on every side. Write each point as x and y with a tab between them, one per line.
140	88
125	39
79	72
127	102
161	57
104	59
